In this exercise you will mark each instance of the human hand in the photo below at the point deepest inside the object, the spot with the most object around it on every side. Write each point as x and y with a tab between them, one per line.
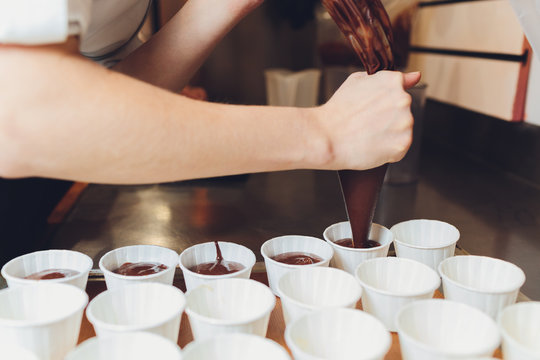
368	121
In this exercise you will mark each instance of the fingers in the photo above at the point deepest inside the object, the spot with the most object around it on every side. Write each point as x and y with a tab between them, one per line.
411	79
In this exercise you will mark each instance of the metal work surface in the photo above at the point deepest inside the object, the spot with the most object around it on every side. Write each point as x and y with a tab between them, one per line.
496	215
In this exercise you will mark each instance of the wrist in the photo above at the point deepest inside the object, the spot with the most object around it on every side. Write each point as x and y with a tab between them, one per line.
318	148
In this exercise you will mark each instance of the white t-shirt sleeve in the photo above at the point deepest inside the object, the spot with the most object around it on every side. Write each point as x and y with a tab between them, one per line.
36	22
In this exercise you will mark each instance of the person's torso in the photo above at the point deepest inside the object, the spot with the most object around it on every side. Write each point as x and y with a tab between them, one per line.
113	29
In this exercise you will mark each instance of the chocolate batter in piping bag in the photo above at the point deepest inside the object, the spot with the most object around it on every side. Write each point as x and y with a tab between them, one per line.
367	26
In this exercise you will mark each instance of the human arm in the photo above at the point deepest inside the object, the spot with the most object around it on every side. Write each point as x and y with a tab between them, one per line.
62	116
171	57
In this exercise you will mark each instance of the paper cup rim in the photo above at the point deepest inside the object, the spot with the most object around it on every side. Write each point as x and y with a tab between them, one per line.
28	323
247	336
4	272
442	246
247	320
510	337
133	328
292	266
505	290
431	289
358	250
386	343
108	272
88	343
399	327
247	268
357	296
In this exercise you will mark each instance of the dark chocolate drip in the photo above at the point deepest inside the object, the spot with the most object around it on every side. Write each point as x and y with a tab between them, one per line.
219	256
367	26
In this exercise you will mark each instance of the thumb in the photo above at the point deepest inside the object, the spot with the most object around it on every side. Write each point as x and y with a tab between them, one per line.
411	79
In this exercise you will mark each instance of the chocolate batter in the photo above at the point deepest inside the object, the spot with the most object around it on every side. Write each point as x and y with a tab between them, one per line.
140	268
367	26
297	258
52	274
217	267
349	243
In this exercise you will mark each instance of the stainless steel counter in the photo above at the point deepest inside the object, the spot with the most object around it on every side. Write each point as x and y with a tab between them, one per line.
496	215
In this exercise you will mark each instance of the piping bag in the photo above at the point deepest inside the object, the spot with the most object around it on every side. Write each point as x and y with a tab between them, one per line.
367	27
528	13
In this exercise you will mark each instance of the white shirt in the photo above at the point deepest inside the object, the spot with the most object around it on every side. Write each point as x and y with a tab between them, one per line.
108	30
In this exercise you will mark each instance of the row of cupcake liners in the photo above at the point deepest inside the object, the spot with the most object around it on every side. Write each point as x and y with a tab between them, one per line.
387	286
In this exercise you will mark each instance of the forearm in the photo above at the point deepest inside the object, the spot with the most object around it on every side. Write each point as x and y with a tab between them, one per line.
171	57
65	117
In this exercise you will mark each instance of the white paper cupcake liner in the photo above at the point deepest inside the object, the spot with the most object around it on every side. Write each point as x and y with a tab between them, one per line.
229	306
127	346
486	283
292	243
14	352
206	252
235	347
348	259
520	329
148	307
44	318
438	329
17	269
305	290
138	253
390	283
337	333
426	241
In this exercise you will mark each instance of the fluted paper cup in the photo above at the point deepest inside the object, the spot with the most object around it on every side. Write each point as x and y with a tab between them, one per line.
14	352
235	347
520	329
134	254
337	333
17	269
438	329
127	346
206	252
147	307
426	241
44	318
348	259
390	283
305	290
292	243
229	306
486	283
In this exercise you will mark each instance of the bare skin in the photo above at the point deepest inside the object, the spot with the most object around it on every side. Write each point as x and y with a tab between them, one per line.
61	116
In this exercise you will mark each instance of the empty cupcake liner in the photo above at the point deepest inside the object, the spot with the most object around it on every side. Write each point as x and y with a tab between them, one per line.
348	259
305	290
134	254
426	241
17	269
229	306
520	329
147	307
44	318
292	243
486	283
235	347
337	333
438	329
206	252
127	346
390	283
